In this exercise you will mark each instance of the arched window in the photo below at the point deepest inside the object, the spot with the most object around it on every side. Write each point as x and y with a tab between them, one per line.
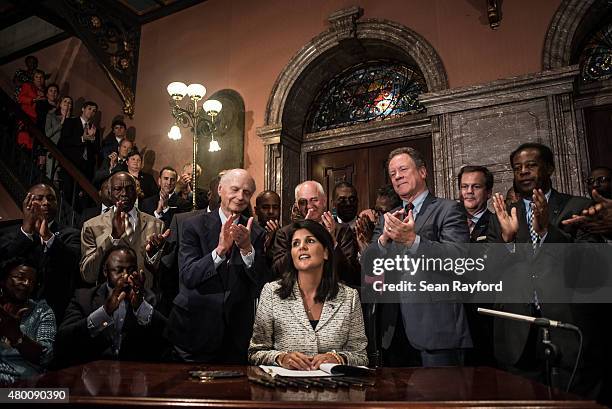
369	91
596	58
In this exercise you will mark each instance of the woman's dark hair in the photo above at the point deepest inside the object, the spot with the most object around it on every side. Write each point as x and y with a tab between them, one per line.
328	288
8	265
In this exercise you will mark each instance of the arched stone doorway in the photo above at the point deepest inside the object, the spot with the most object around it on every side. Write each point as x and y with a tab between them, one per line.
346	43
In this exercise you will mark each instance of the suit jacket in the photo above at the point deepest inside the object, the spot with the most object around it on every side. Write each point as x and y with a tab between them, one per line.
147	184
510	336
169	265
282	325
345	254
96	239
212	318
442	225
57	267
72	146
149	205
74	344
90	213
479	232
109	145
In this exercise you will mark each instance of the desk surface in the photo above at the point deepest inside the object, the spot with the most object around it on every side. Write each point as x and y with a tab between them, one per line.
110	383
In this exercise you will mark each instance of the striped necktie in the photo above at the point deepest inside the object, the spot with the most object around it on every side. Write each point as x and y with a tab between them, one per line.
535	238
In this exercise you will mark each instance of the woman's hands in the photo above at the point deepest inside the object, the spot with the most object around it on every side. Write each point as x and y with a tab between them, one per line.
303	362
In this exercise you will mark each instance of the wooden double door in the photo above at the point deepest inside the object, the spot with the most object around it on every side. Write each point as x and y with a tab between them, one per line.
365	167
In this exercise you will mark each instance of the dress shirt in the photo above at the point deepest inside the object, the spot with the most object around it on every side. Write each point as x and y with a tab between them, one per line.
99	320
218	259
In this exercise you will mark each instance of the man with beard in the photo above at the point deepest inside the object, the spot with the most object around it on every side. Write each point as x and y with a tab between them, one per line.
537	219
346	203
54	249
311	203
123	224
222	269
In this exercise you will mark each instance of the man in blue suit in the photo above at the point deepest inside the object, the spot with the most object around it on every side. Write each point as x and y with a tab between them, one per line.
430	334
221	271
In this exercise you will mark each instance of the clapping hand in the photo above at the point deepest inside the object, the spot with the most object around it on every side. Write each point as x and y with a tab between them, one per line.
399	227
117	295
329	223
508	223
156	242
241	235
135	296
540	212
90	133
596	218
225	239
113	160
118	221
9	323
271	227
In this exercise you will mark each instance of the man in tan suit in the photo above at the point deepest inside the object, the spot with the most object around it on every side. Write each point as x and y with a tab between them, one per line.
122	224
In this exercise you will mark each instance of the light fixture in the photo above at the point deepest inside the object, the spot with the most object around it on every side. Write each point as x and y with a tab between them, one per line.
175	133
199	120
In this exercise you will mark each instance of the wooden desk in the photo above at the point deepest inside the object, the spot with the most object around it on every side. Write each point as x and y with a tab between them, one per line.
119	384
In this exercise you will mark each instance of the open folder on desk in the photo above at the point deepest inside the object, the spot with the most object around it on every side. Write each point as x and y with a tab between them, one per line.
324	370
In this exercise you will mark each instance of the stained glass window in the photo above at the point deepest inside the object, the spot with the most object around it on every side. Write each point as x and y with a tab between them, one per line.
370	91
596	59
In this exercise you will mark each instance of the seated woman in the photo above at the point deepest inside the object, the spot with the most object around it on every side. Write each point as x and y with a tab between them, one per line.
308	318
28	327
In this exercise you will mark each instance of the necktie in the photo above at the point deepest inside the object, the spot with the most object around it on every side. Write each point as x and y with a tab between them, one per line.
85	150
471	224
535	238
129	228
409	206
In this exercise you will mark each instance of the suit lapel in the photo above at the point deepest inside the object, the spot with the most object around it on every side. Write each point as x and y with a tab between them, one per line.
429	204
297	308
330	308
556	203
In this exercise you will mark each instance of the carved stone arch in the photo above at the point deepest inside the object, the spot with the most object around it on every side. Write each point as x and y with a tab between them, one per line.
573	20
346	43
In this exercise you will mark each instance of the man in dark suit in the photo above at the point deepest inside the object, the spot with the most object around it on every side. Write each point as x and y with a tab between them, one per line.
116	161
54	249
222	269
164	205
111	142
114	320
79	142
537	219
431	334
267	210
475	189
311	203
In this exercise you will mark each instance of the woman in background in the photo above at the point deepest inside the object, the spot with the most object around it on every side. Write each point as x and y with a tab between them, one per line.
53	128
28	327
308	318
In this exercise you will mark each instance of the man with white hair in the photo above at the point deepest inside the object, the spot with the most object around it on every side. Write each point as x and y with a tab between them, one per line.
221	271
311	203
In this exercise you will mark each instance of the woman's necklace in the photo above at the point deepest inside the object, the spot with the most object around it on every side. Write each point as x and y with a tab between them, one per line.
306	306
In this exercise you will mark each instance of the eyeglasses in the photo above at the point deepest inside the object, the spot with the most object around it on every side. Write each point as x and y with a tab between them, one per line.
598	180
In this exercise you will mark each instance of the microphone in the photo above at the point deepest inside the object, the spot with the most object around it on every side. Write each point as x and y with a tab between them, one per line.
540	322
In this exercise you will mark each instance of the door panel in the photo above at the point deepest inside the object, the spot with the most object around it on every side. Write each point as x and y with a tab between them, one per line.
364	167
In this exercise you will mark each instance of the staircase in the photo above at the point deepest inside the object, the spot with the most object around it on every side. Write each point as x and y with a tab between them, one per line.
21	168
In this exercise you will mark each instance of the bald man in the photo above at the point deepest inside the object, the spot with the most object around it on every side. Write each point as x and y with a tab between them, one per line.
53	248
311	203
221	271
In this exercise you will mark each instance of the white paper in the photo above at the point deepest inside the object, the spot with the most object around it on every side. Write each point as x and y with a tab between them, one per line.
277	370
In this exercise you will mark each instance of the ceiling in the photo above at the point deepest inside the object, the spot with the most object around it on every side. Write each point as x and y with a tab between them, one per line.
28	26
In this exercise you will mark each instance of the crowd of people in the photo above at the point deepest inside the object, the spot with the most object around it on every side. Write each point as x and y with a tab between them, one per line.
150	278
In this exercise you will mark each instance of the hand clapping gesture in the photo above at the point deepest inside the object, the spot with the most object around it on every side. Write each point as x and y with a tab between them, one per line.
156	242
271	227
399	228
241	235
33	219
508	223
225	239
328	222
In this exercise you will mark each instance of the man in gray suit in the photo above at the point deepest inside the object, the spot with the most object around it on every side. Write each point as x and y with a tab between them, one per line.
431	334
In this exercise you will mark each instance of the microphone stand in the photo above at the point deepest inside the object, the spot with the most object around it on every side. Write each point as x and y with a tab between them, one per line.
551	352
